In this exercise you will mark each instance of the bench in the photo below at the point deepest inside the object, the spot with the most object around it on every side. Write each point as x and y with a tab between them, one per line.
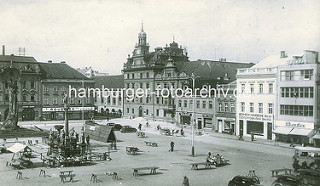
151	143
152	170
285	170
66	174
141	134
207	165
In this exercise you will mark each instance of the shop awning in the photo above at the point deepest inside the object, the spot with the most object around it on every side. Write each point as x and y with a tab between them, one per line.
17	147
301	131
283	130
317	136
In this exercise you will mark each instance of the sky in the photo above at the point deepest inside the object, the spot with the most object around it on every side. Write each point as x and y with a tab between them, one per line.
100	34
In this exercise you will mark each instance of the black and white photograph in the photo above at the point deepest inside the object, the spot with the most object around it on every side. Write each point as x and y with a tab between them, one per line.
160	92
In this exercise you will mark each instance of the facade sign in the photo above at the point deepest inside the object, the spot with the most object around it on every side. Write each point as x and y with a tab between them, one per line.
255	117
295	124
57	109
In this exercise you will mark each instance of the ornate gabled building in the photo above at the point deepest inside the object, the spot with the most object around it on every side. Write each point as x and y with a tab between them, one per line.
168	68
147	70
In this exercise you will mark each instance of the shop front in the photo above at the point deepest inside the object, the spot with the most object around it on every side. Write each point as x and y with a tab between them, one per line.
74	113
185	118
258	124
207	121
296	132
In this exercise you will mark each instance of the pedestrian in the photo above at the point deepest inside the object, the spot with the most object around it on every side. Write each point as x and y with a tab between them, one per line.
147	124
88	140
158	127
185	181
291	142
252	136
140	126
172	146
182	132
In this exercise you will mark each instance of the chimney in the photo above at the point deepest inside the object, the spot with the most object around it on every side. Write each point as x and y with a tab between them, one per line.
3	50
49	61
283	54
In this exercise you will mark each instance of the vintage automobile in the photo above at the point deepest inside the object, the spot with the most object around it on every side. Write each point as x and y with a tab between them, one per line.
127	129
309	155
289	180
244	181
117	127
312	177
111	124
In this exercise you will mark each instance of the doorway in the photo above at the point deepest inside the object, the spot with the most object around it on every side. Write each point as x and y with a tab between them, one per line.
269	132
241	127
140	111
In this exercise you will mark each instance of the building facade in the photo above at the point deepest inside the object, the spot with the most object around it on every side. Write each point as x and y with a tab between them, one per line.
225	108
277	98
297	117
56	80
112	103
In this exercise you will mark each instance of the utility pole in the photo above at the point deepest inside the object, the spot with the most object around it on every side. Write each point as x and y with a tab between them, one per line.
193	114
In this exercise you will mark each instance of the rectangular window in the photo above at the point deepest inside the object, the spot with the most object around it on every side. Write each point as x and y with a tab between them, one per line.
45	89
132	76
252	88
260	107
128	110
191	103
296	110
261	88
71	100
24	98
220	107
226	107
204	104
32	85
185	103
87	100
232	107
55	101
141	75
55	88
179	103
270	108
311	92
24	84
270	88
287	92
128	77
210	104
306	74
283	75
147	74
147	112
157	112
243	88
282	92
32	98
292	95
243	107
132	110
198	104
251	107
46	101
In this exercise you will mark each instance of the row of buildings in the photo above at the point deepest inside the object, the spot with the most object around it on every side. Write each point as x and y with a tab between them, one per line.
274	99
41	89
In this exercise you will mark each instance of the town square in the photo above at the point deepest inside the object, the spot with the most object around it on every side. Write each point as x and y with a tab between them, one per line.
172	92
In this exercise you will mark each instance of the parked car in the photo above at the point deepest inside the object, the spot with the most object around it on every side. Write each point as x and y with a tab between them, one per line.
244	181
110	124
312	177
289	180
127	128
117	127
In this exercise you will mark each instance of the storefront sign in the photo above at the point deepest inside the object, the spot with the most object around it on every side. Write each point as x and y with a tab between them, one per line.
294	124
57	109
255	117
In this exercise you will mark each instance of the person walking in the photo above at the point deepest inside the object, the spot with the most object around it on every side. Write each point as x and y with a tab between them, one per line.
252	136
140	126
172	146
185	181
182	132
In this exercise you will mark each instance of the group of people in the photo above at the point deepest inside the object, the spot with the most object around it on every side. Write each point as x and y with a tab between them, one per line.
217	159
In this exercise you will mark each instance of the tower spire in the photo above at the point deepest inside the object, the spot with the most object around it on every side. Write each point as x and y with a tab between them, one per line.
173	38
142	26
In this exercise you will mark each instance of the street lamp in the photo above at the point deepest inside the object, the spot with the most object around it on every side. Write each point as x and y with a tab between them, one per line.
193	114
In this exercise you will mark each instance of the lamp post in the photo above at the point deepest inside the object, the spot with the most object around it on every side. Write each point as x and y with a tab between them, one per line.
193	115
